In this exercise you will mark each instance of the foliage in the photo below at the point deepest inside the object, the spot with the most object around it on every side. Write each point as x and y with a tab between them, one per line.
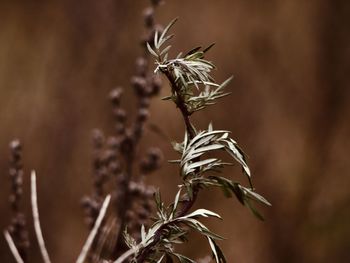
192	89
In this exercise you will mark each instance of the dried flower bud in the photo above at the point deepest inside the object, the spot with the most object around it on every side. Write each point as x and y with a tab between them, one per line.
113	143
85	202
145	102
15	145
141	66
108	156
148	204
156	85
136	188
120	114
139	84
121	180
130	214
143	214
142	115
114	167
17	227
126	145
97	138
148	16
152	161
120	128
156	2
115	95
12	172
12	199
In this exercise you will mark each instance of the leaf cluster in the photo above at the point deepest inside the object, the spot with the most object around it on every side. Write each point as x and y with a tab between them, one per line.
174	230
192	73
188	74
204	142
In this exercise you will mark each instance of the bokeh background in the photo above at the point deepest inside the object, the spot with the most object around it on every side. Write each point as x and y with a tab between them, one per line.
289	110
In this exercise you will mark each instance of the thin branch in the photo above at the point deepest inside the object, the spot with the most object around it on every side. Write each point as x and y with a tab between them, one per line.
180	103
37	227
13	248
127	254
94	230
104	236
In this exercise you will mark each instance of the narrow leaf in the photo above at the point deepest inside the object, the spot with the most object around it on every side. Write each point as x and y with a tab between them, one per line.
194	50
208	48
151	50
168	27
254	210
201	163
203	212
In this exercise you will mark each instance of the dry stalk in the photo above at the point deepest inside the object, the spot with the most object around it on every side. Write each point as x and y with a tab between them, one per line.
13	247
37	228
94	230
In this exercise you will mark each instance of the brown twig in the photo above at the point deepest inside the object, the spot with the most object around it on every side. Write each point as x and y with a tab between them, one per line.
116	157
145	86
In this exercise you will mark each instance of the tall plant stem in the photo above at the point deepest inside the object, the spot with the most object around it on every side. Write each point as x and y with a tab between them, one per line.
186	204
180	103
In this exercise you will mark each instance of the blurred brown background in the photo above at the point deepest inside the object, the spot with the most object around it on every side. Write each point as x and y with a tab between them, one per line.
289	110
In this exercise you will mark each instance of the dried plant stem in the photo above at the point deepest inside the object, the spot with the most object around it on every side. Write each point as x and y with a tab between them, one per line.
94	230
125	198
37	228
18	227
180	103
13	248
124	256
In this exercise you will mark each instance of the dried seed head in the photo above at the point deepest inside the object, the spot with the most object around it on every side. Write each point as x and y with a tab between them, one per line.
151	161
157	2
148	16
120	128
108	156
86	202
141	66
144	102
115	95
17	227
140	85
156	85
114	167
127	145
97	138
15	145
142	115
113	143
120	114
